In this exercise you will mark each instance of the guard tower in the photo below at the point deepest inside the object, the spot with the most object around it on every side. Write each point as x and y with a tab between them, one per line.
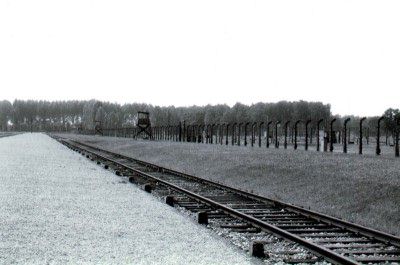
98	128
143	124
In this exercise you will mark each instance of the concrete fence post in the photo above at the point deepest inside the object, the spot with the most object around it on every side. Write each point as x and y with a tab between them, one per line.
212	133
276	134
260	133
239	128
268	124
306	143
378	137
286	134
245	132
184	131
198	134
397	132
253	133
234	132
331	135
345	135
295	133
227	133
180	131
189	132
221	133
360	145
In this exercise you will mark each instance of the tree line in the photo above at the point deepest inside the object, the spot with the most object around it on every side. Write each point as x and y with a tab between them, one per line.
39	115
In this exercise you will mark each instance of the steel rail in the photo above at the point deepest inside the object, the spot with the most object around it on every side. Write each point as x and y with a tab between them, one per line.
368	232
329	255
315	248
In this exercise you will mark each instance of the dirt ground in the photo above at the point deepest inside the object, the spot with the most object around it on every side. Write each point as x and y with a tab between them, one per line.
364	189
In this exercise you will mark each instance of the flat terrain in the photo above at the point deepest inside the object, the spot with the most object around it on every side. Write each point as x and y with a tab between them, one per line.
57	207
6	134
362	189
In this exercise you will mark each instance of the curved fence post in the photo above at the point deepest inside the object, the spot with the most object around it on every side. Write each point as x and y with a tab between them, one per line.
378	137
286	134
197	137
189	132
210	133
180	131
345	135
295	133
211	141
184	131
209	129
318	129
239	127
396	148
268	124
199	133
201	130
360	142
218	138
233	132
259	133
245	132
221	133
306	143
216	132
253	133
276	134
331	135
206	131
227	134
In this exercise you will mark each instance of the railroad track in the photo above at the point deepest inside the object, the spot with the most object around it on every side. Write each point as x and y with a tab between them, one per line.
7	134
309	237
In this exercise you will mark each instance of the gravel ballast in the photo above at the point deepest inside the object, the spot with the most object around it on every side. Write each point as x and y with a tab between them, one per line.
364	189
58	207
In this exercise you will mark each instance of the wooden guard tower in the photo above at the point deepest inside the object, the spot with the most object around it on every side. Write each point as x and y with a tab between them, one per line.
143	124
98	128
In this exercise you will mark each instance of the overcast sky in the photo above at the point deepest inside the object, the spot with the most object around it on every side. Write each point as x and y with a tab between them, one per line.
185	52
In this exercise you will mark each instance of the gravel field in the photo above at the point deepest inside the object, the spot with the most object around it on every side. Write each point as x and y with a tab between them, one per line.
362	189
56	207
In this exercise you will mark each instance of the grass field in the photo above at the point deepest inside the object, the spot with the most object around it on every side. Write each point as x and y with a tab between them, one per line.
363	189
